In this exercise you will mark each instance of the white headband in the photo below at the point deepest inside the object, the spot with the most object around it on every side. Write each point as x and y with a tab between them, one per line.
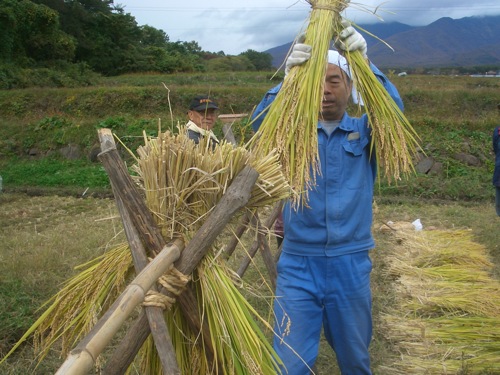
336	58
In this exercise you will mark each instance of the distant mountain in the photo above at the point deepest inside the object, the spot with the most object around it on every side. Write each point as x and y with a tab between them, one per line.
465	42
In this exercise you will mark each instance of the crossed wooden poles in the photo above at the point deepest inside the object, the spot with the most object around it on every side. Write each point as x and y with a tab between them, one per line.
145	241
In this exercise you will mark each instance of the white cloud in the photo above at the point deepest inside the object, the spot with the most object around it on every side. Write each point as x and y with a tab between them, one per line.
236	26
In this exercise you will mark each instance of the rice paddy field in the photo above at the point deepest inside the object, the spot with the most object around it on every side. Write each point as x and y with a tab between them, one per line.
436	291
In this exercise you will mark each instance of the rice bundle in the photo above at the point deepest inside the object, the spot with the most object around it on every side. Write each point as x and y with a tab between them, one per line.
182	182
447	317
290	126
291	123
393	138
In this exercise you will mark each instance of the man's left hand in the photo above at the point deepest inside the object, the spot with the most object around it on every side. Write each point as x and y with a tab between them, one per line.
350	39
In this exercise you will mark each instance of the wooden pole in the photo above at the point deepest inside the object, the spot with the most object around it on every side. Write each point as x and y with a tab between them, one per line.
126	189
129	346
137	216
262	243
235	239
236	197
228	133
156	318
227	122
82	358
268	258
155	315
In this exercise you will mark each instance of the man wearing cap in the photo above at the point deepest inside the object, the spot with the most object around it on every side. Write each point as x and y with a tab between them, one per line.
202	117
324	268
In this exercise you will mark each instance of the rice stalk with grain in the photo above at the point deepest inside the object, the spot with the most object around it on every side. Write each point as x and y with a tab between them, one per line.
290	126
291	123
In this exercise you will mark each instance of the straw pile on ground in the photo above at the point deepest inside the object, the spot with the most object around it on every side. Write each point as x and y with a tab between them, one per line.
182	182
447	314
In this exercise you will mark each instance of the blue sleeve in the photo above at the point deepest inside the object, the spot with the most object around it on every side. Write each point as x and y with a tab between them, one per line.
262	108
388	85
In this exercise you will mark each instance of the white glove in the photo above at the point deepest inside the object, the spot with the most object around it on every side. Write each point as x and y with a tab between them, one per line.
350	39
300	54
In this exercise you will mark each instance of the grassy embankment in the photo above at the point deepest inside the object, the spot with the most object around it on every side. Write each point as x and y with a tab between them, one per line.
451	114
45	237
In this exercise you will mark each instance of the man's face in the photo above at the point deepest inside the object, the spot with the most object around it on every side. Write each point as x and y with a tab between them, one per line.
335	94
203	119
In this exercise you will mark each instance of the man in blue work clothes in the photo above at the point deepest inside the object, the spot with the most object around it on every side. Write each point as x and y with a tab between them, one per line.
324	268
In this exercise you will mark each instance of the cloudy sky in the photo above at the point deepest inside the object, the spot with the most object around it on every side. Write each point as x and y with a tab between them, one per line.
235	26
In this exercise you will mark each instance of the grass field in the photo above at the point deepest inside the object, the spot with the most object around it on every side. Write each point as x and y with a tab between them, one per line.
44	237
57	213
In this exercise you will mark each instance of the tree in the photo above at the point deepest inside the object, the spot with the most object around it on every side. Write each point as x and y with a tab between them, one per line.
153	37
100	35
230	64
260	60
31	31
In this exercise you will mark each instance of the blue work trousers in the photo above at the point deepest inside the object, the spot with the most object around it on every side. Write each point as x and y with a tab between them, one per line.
329	292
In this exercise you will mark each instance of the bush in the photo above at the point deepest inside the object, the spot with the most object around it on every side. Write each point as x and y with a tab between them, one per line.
59	75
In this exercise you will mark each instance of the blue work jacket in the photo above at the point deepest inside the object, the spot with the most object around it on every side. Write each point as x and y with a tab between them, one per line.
338	217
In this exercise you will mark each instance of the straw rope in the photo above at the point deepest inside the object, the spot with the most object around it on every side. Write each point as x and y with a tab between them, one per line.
174	282
333	8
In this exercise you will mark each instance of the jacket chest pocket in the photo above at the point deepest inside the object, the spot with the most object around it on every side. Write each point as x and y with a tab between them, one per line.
355	166
354	144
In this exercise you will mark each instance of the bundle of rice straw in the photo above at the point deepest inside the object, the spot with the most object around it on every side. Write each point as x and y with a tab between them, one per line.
446	317
182	182
290	125
394	139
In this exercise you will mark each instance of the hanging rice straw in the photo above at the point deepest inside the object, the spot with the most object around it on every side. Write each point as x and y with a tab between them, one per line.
393	138
71	313
291	123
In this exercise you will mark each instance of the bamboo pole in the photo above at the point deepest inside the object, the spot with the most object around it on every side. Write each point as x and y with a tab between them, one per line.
82	358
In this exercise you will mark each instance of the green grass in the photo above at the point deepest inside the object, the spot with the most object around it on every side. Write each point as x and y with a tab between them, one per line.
451	114
48	172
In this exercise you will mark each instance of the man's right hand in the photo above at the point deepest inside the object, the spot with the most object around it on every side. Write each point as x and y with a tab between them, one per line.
300	54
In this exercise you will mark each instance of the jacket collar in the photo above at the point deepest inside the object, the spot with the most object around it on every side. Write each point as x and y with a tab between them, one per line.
345	124
206	133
